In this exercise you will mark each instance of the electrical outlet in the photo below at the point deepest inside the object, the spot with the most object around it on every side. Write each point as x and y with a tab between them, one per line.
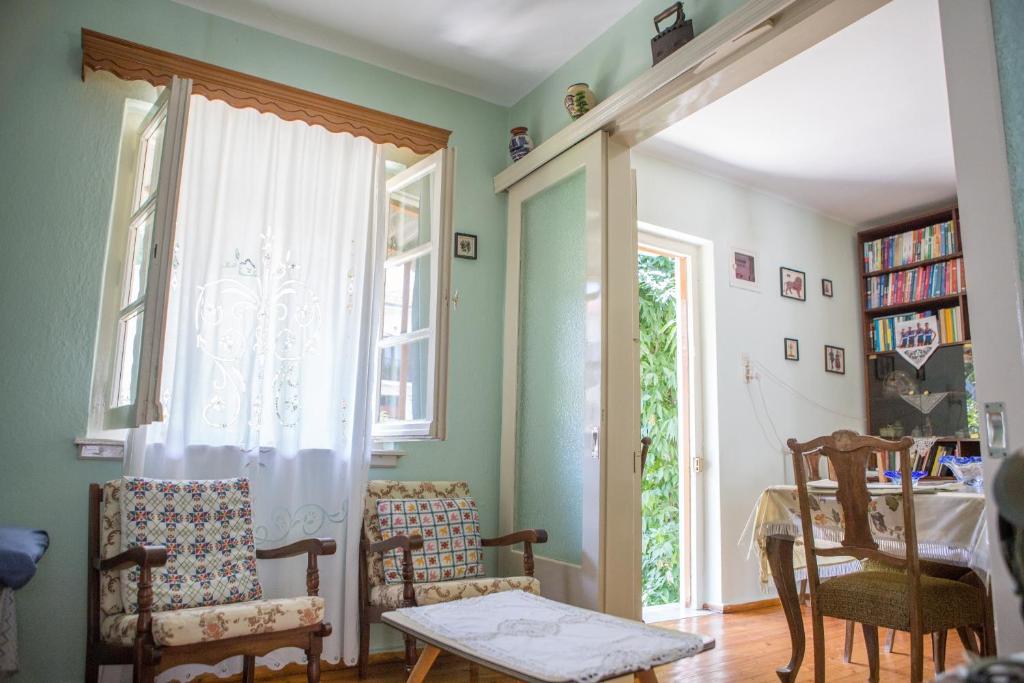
748	368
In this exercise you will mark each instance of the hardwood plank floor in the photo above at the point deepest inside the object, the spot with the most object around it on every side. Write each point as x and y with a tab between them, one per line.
748	648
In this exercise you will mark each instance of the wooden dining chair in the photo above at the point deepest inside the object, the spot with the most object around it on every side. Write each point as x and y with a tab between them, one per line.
893	592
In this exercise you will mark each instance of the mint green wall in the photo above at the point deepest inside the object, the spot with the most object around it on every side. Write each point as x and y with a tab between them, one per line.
608	63
1008	21
58	146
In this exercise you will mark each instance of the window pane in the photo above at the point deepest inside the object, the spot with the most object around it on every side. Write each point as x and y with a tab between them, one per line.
137	266
407	296
409	216
149	161
129	343
403	384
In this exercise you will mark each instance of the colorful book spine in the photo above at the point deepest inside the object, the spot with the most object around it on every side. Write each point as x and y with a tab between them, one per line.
916	284
914	246
950	324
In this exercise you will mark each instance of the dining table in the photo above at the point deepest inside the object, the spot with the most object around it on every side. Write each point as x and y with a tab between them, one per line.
950	520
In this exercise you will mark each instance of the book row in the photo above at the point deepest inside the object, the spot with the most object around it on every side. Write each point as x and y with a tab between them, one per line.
929	462
950	327
905	248
908	286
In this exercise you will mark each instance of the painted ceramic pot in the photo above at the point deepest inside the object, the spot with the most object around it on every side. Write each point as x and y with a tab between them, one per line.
520	144
579	99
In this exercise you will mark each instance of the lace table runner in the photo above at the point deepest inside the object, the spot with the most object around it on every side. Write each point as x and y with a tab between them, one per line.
549	641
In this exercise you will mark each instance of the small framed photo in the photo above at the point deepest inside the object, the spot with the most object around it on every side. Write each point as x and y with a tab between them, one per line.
792	284
743	266
792	349
835	360
826	287
465	246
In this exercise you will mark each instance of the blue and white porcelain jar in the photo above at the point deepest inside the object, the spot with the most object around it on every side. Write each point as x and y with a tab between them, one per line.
520	143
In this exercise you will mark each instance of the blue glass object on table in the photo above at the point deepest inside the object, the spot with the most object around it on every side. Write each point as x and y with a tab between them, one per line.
897	477
967	469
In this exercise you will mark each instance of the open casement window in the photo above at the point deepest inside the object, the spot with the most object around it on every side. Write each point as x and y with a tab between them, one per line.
412	342
142	240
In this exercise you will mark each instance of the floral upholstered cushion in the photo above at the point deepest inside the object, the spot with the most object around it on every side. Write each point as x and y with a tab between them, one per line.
389	488
450	528
446	591
206	526
202	624
110	545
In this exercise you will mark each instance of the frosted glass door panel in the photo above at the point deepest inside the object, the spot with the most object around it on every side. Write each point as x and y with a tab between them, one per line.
551	417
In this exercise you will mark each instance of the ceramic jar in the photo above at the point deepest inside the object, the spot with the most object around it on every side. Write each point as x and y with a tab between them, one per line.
579	99
520	144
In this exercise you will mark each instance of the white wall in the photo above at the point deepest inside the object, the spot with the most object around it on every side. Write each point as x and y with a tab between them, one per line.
743	460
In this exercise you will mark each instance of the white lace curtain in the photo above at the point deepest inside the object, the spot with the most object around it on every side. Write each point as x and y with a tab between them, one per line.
267	369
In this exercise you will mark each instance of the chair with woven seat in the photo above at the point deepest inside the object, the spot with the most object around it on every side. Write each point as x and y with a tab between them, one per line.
396	570
172	580
905	599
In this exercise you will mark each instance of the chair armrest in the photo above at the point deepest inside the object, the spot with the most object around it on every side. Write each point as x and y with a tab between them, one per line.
402	541
522	536
525	536
315	546
311	548
144	556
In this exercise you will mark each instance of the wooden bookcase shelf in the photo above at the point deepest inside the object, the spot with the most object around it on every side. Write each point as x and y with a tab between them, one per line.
881	407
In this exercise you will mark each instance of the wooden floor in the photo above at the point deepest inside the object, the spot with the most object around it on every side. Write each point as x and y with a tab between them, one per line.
749	647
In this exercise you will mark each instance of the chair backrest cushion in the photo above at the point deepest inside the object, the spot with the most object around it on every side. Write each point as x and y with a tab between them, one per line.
450	528
387	489
206	526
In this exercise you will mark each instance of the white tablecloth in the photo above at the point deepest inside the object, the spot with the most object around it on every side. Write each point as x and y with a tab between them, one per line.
950	528
547	640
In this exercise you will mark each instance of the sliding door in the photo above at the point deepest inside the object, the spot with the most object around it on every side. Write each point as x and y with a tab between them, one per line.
554	427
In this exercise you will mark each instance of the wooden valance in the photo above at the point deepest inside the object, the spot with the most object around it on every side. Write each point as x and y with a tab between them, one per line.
132	61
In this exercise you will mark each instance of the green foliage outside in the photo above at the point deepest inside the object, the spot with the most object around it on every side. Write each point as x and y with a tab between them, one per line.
660	497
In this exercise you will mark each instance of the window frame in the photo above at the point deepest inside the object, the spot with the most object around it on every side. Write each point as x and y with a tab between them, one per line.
441	164
130	210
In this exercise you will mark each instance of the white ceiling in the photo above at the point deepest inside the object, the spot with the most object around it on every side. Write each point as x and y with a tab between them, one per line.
497	50
856	127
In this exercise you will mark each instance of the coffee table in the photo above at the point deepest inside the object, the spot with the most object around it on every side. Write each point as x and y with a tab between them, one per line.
538	640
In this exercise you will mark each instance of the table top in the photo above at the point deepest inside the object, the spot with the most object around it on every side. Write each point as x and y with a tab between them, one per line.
542	641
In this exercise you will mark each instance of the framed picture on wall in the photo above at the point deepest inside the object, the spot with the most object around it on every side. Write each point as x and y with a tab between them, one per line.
743	268
792	349
835	359
793	283
465	246
826	287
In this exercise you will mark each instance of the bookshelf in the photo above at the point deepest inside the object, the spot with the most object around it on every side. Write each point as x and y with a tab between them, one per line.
911	270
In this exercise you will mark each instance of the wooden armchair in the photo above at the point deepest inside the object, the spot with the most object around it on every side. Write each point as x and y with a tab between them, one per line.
376	596
125	631
892	592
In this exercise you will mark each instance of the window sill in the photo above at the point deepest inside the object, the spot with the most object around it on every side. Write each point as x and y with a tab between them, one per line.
386	458
100	449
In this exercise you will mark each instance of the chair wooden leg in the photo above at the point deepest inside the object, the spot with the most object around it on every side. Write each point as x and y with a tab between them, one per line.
916	657
871	644
939	650
803	591
92	670
967	640
249	669
474	672
890	640
819	648
316	647
848	642
364	646
410	652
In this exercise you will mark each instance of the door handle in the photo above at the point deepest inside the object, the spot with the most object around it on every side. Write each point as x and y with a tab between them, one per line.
596	451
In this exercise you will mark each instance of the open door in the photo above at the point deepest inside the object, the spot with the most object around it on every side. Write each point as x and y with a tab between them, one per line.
559	372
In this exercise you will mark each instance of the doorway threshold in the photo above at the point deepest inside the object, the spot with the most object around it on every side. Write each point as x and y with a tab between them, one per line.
671	612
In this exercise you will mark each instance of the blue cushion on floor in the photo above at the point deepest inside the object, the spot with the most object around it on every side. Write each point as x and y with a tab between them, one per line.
20	550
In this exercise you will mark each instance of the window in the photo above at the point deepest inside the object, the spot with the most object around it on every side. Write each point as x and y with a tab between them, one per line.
412	343
130	340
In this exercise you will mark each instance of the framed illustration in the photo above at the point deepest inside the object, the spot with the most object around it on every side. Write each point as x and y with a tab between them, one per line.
826	287
793	284
465	246
835	360
792	347
743	268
